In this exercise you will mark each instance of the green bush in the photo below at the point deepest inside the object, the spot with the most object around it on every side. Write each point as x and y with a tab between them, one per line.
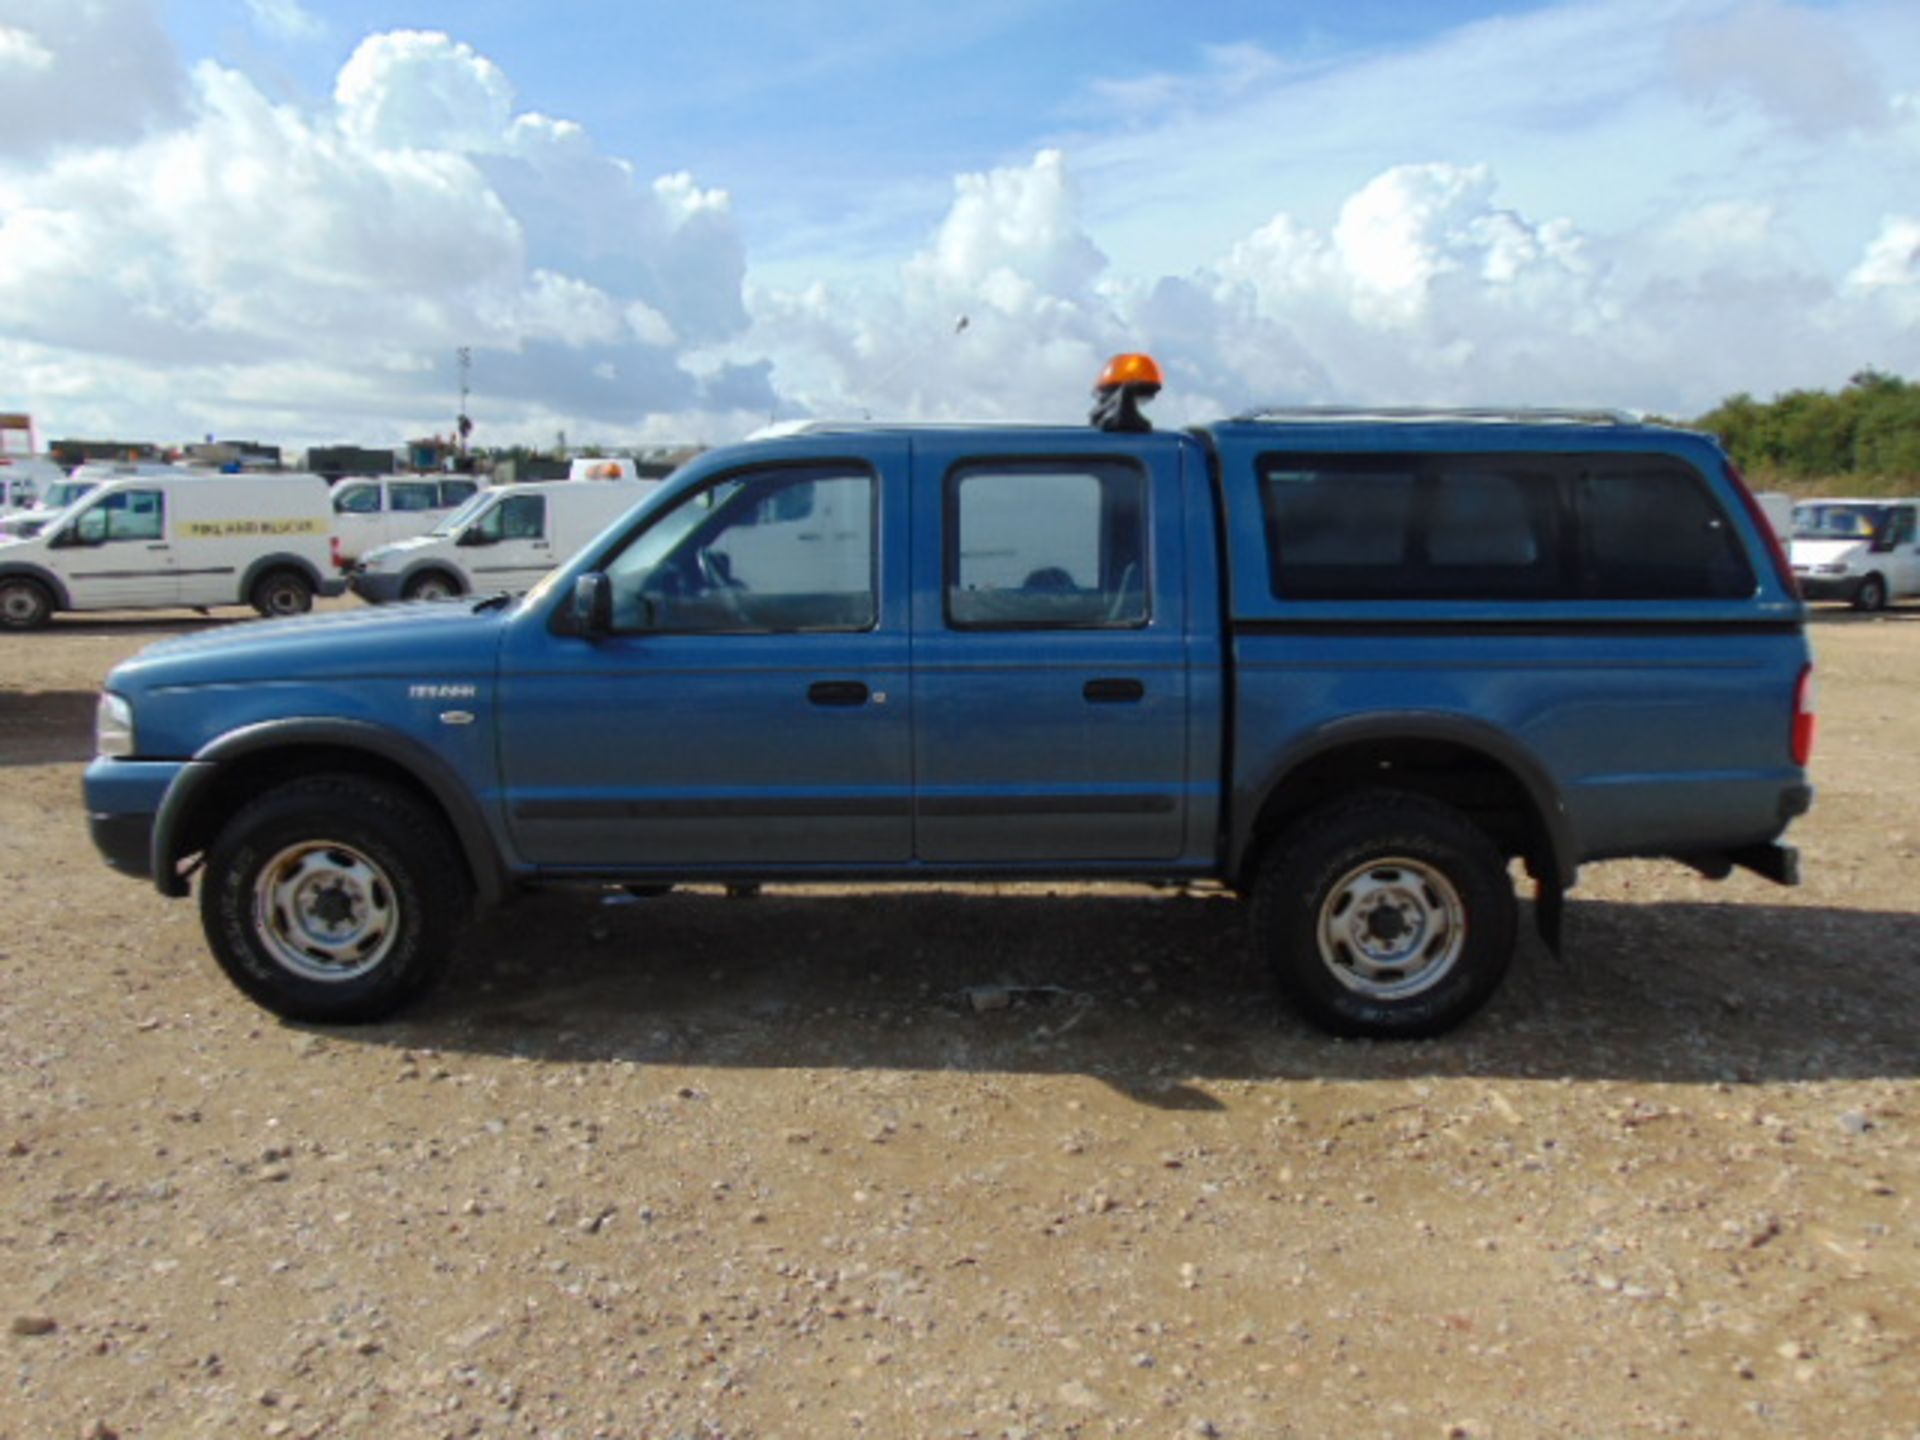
1865	439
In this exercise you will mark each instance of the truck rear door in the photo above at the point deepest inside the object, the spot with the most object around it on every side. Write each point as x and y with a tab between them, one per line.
1050	666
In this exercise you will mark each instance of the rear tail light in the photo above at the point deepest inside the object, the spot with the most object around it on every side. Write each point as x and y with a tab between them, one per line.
333	547
1782	566
1803	718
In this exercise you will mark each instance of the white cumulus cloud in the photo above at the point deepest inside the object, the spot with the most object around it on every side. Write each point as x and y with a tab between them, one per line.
269	258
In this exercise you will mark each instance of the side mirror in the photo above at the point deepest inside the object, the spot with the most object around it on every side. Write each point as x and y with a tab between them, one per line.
473	535
592	604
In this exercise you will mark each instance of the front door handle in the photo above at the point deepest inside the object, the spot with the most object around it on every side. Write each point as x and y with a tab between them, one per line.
837	692
161	546
1113	692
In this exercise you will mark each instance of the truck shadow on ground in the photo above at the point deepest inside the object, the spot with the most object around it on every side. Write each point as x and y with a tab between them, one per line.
1840	615
46	727
1153	992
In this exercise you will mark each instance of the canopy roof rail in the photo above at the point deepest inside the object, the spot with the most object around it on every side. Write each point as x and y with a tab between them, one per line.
1417	414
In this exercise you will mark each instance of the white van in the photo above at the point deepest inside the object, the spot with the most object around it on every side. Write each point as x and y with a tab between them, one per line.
504	538
186	539
1866	552
64	489
23	480
374	510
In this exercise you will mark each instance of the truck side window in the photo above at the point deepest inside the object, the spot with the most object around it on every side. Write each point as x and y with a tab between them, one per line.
1901	528
1046	545
1652	532
414	495
782	551
1412	527
356	500
456	492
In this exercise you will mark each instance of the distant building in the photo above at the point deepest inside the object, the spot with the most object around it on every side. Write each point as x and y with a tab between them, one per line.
78	452
234	454
333	461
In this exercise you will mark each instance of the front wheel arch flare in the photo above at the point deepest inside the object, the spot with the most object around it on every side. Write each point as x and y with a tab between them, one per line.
238	764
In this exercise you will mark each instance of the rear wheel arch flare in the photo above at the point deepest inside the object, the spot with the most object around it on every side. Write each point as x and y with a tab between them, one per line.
1485	775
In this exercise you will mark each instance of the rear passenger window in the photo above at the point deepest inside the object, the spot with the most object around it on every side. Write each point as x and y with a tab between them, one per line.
414	495
1046	545
1504	527
1455	528
1653	532
456	492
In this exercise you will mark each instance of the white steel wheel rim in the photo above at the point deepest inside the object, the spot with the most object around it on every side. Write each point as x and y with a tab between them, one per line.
1392	928
18	603
432	588
325	911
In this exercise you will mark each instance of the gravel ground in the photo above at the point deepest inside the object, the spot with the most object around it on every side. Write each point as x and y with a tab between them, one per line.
699	1166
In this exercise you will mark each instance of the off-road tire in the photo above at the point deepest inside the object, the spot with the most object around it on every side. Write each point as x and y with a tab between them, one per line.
1397	853
367	837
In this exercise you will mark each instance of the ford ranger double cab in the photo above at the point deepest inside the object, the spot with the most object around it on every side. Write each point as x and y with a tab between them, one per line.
1354	665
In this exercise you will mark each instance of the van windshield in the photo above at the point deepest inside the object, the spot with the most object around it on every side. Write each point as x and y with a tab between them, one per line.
457	520
63	493
1837	522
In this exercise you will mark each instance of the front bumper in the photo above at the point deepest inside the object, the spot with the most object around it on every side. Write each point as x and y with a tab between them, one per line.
125	842
1828	587
123	803
382	588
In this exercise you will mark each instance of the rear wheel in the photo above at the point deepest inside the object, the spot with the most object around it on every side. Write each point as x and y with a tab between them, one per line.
1872	594
1386	915
281	593
334	898
24	604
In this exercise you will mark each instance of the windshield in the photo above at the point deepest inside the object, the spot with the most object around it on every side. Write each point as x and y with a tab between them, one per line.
1837	522
64	492
475	503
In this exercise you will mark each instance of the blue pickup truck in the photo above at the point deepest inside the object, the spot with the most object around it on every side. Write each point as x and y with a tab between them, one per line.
1352	664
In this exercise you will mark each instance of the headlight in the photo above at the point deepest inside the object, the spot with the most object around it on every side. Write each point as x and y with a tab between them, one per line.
113	726
372	562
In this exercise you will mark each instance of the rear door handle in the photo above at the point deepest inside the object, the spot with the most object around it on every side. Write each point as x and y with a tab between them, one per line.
837	692
1113	692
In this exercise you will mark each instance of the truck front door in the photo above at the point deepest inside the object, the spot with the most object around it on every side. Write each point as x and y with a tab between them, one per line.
749	705
1051	686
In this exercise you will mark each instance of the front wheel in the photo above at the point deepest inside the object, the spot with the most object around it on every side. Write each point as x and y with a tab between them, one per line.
24	604
431	585
334	899
1386	915
1872	594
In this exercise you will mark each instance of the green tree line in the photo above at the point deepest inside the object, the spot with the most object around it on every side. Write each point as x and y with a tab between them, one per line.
1870	430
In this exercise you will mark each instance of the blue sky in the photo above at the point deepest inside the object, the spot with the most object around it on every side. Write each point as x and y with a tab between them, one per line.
807	110
657	222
